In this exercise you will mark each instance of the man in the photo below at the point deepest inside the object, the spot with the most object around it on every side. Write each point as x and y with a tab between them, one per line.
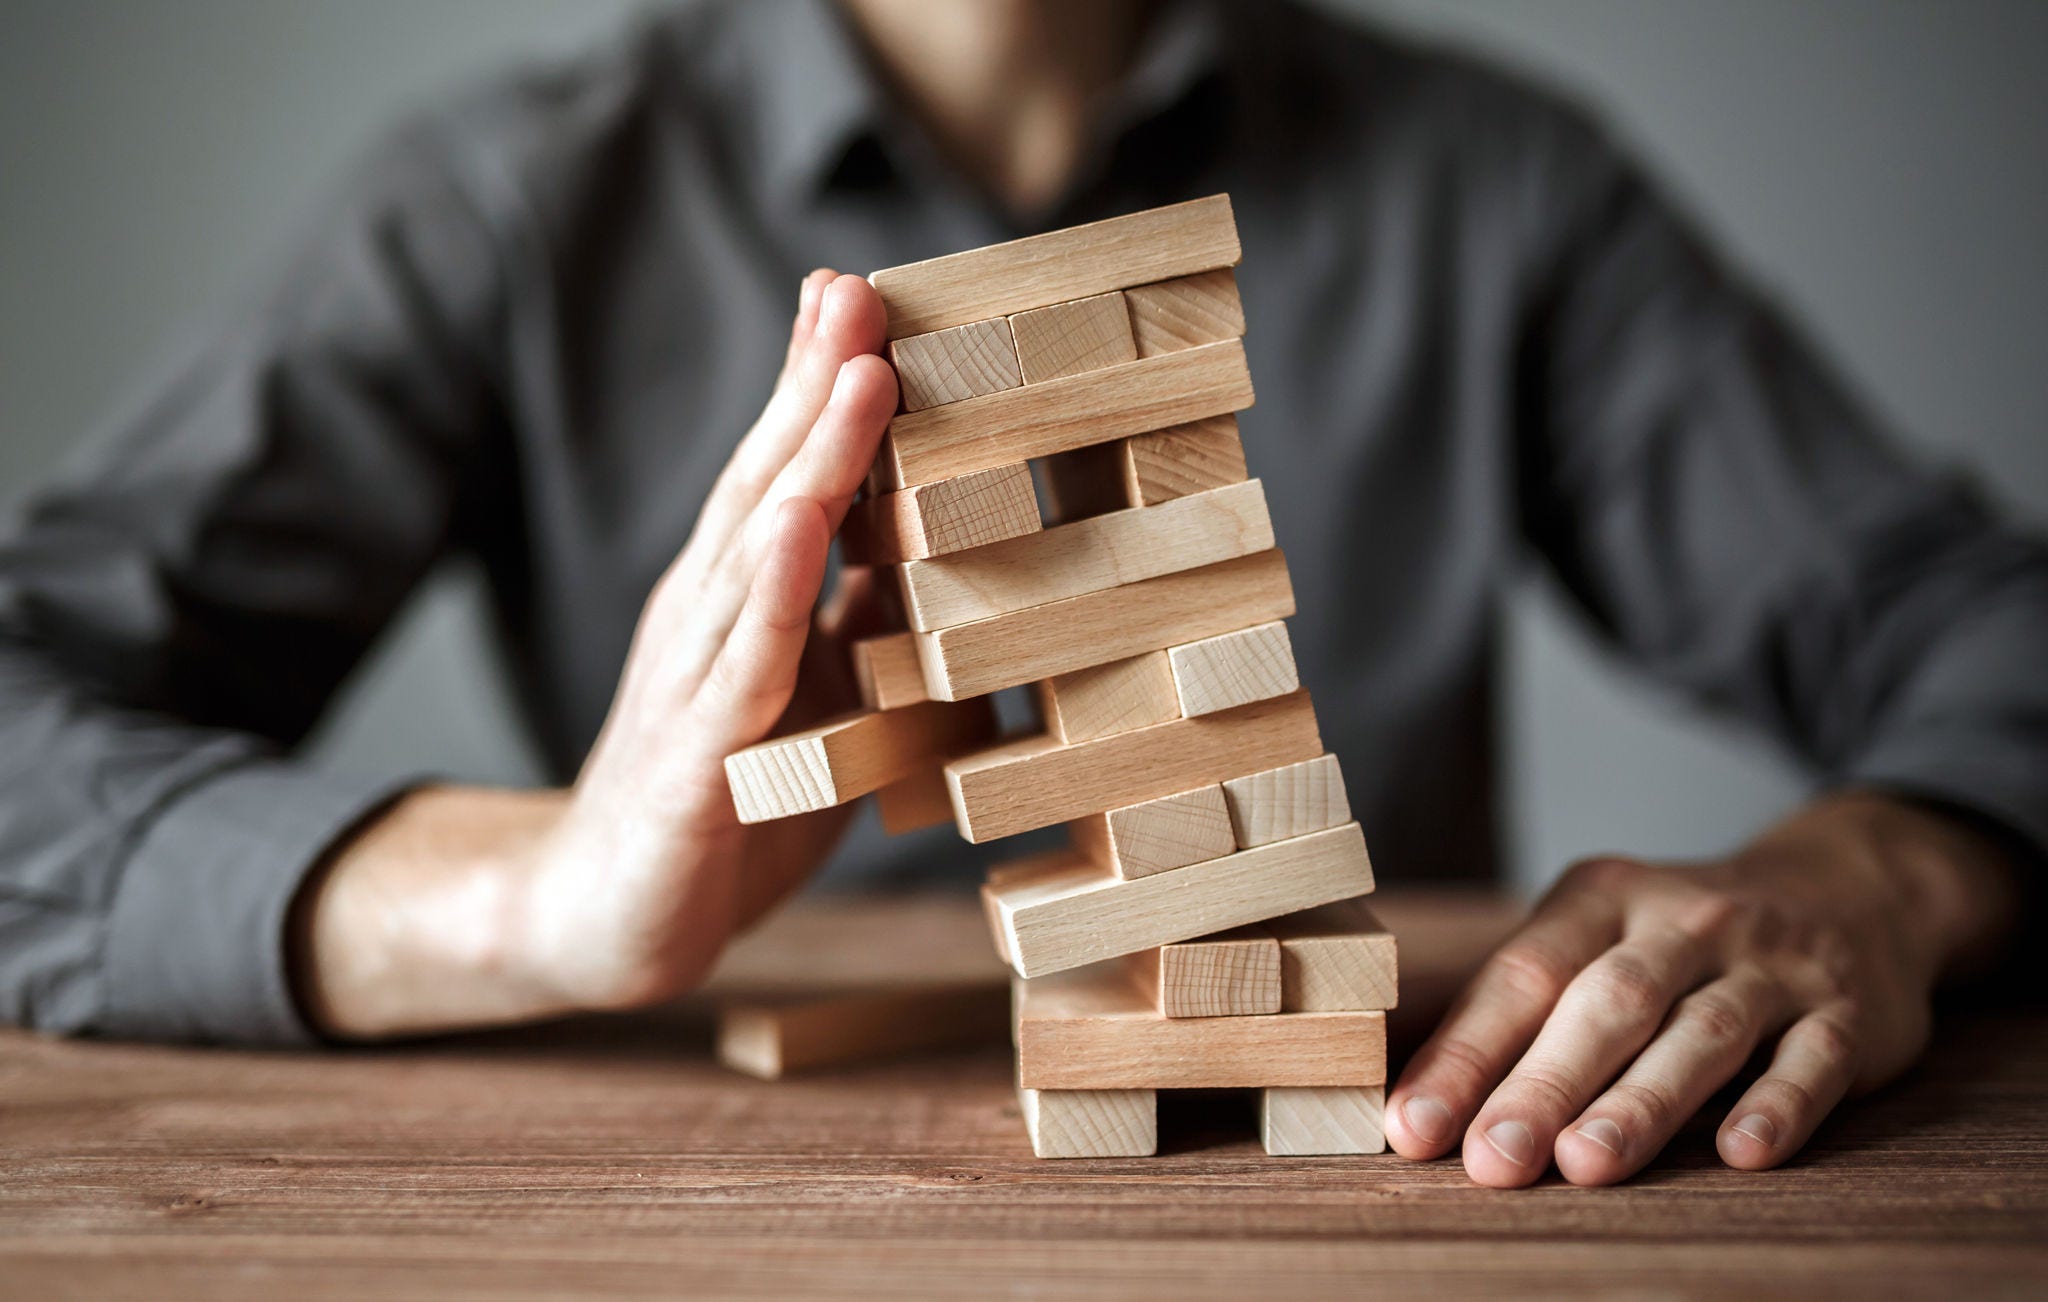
539	322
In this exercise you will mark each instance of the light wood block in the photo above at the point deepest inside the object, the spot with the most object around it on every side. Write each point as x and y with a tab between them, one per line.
920	800
1170	315
1060	912
1335	958
1113	624
1156	836
1236	974
1091	1123
847	757
1158	244
1233	669
886	672
1086	334
1032	782
955	515
1183	459
1038	420
1091	555
1289	801
945	366
1086	481
1094	1029
1105	699
769	1038
1315	1121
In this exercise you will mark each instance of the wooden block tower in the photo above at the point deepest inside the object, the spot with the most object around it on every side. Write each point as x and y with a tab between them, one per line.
1202	928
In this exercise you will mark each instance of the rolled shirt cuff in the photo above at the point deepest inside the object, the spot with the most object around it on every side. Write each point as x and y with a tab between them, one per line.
195	946
2006	785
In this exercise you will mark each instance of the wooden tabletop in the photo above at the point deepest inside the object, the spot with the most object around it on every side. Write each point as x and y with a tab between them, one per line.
612	1155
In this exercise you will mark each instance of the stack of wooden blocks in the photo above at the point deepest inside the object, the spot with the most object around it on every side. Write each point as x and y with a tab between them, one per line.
1201	929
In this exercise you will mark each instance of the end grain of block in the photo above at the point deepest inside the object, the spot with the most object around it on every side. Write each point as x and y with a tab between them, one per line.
1236	974
1155	836
1091	1123
1183	459
1233	669
1312	1121
1069	338
1105	699
949	365
1170	315
1289	801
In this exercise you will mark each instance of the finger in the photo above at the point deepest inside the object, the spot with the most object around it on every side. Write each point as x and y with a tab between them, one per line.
1493	1022
1808	1075
1709	1037
809	296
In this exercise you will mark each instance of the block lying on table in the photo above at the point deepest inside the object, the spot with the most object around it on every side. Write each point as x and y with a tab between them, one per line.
1335	957
1154	836
954	515
1292	800
1232	669
1311	1121
1235	974
847	757
1091	1123
768	1038
1107	699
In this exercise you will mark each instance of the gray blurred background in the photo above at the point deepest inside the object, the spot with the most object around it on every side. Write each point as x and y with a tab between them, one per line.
1882	165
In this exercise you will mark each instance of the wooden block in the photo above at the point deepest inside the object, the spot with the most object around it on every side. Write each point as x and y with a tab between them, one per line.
1086	334
1086	481
1090	555
846	757
1289	801
1235	974
886	671
1335	958
1170	315
1041	269
920	800
1091	1123
945	366
954	515
1155	836
1183	459
770	1038
1113	624
1034	782
1233	669
1038	420
1094	1029
1059	912
1111	698
1313	1121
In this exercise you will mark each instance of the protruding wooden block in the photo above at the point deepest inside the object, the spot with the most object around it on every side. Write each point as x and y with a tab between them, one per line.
1091	1123
1060	912
847	757
1312	1121
1037	420
1032	782
1190	458
1105	699
956	515
886	672
1086	556
1233	669
920	800
1113	624
1155	836
1170	315
768	1038
948	365
1334	958
1060	265
1234	974
1289	801
1086	334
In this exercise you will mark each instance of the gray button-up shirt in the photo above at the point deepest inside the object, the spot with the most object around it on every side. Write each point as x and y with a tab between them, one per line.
531	328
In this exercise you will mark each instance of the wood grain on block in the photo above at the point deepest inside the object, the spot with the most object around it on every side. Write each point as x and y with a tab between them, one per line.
1113	624
886	671
1170	315
1315	1121
1037	420
1157	244
1084	482
1235	974
1232	669
920	800
954	515
1124	694
847	757
1094	1029
1061	911
1292	800
768	1038
1086	334
1183	459
1336	958
1033	782
1091	1123
1154	836
948	365
1091	555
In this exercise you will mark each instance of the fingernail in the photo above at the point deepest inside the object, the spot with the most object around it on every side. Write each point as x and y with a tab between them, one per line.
1604	1133
1512	1140
1758	1127
1428	1120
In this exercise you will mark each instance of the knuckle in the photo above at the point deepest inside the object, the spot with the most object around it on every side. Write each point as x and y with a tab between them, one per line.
1625	985
1551	1088
1532	972
1602	874
1716	1018
1648	1106
1829	1037
1463	1059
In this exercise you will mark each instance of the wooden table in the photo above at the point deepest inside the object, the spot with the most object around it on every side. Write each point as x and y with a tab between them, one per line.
610	1154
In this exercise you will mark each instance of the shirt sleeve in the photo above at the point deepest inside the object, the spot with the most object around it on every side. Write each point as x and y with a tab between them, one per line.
177	608
1728	515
